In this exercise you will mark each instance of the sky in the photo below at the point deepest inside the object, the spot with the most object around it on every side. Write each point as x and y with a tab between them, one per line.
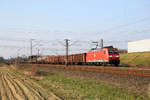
112	20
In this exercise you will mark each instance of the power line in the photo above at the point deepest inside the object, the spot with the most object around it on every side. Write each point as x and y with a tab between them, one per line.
125	25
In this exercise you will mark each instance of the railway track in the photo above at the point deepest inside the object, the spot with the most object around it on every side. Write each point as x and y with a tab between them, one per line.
18	87
112	70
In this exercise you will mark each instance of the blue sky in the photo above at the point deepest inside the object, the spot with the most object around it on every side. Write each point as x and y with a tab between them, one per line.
75	19
72	18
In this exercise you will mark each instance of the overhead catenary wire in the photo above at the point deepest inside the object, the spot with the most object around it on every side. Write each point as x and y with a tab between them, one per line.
125	25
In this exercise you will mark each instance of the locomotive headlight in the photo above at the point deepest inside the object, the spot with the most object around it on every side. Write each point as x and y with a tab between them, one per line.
110	56
117	56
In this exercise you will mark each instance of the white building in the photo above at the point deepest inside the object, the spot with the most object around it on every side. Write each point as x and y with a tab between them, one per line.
139	46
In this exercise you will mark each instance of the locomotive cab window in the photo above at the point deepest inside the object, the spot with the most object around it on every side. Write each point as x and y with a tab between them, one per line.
110	52
113	52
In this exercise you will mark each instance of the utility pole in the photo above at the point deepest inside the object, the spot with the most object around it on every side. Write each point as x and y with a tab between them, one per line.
67	45
31	47
101	44
38	54
31	50
18	56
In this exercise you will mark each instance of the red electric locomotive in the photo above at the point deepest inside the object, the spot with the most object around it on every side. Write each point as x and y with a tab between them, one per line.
107	55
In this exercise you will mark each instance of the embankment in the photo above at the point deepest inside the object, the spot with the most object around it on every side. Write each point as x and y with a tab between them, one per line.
140	59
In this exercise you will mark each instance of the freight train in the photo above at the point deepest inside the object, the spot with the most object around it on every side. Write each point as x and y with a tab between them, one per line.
105	56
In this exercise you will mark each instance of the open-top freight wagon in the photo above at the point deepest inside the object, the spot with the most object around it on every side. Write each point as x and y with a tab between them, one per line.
107	55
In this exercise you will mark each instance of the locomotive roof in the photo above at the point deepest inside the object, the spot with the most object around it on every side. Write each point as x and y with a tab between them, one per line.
110	47
99	49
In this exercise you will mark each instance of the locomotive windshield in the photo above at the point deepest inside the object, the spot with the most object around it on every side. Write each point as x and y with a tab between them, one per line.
113	52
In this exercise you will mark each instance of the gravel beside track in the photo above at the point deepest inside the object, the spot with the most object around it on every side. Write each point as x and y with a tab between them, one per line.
19	87
143	72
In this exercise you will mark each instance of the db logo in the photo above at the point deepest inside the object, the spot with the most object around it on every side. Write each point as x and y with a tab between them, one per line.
94	55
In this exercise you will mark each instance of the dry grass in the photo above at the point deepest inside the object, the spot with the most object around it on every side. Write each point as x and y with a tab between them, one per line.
16	86
135	59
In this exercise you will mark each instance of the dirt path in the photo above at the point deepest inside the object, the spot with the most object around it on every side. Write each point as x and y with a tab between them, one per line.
18	87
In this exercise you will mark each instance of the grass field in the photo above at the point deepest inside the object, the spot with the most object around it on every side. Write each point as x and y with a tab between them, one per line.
135	59
68	88
73	89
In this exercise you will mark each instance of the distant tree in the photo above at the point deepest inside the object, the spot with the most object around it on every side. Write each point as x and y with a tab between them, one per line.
123	51
2	60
